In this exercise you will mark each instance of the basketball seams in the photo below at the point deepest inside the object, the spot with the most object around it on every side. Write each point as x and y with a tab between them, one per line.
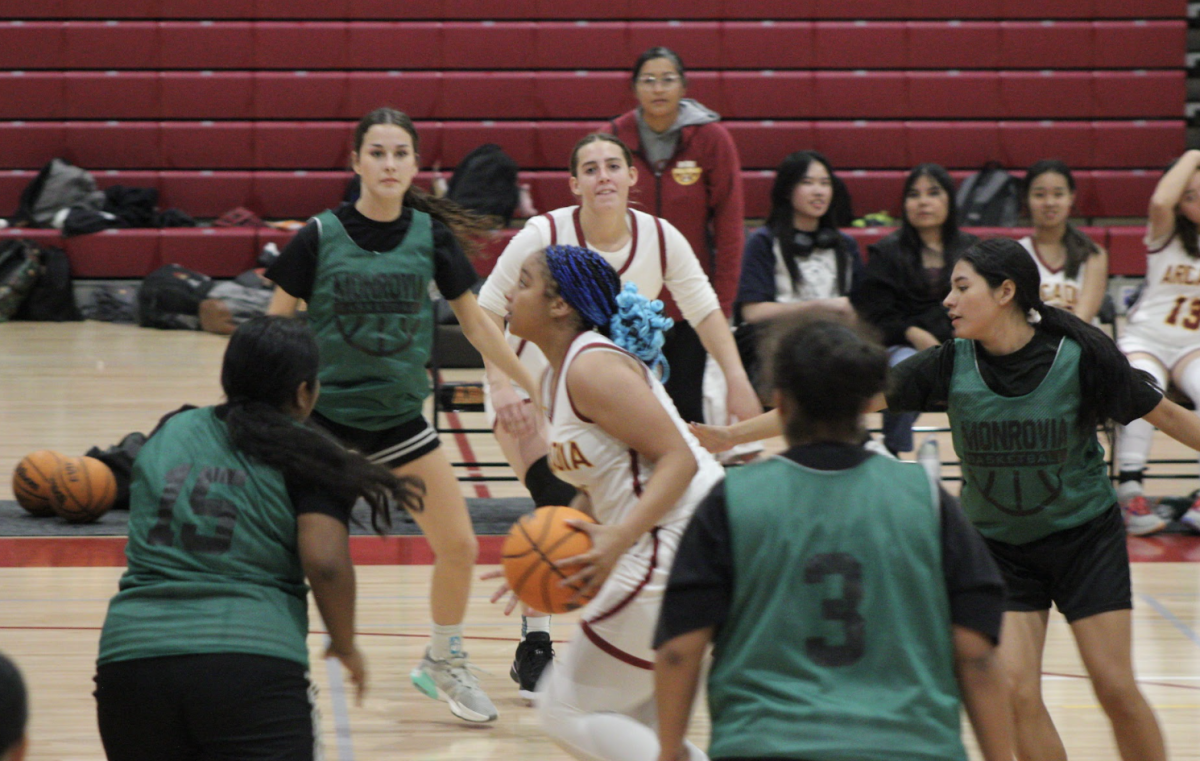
532	569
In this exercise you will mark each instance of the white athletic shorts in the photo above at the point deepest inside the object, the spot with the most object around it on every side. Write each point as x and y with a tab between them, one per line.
609	663
1135	339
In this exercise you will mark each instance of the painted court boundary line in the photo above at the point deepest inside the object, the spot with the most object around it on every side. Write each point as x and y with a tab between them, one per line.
109	551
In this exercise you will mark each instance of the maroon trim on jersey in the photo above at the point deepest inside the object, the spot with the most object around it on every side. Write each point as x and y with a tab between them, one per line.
633	243
562	377
553	229
1163	247
662	247
613	650
1038	254
636	590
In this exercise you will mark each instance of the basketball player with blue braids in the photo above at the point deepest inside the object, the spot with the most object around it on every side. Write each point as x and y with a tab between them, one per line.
616	436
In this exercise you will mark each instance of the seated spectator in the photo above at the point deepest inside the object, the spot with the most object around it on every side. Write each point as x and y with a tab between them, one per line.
908	275
798	260
1074	269
14	712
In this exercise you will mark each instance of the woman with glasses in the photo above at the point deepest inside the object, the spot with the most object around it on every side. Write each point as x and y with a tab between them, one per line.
693	180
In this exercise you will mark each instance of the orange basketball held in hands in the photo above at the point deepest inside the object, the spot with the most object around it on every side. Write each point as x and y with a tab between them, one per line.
31	481
83	489
531	554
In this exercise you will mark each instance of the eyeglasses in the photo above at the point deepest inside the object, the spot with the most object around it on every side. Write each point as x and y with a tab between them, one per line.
666	80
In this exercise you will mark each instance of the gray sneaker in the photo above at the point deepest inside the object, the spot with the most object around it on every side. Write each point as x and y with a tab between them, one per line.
451	680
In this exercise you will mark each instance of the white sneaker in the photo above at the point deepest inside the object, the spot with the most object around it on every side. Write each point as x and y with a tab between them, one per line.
1191	518
451	680
1140	518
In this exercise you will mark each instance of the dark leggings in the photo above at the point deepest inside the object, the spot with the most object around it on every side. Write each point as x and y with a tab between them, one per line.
686	357
219	707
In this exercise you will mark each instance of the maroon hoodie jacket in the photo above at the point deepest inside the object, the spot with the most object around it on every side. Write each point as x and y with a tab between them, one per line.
699	190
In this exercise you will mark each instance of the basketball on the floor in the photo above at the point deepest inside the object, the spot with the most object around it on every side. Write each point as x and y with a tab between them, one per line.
31	481
82	489
531	552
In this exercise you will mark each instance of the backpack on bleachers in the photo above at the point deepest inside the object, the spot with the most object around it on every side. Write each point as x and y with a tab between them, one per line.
485	181
20	265
52	298
989	198
59	186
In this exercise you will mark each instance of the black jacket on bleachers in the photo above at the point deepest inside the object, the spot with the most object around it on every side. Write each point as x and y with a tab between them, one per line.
895	294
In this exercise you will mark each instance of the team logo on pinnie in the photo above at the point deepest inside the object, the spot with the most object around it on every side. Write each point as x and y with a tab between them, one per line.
378	314
686	173
1026	497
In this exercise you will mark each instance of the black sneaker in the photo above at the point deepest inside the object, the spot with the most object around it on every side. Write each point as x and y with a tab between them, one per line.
533	655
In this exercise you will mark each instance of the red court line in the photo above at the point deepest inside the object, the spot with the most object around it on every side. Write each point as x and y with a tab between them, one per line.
109	551
468	454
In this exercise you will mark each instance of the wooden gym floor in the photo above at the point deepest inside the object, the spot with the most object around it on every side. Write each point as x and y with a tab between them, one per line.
71	386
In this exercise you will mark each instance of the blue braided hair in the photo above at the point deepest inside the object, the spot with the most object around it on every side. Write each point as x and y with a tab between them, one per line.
593	289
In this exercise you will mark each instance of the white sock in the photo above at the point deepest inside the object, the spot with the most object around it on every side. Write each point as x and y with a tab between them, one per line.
446	642
1134	440
534	624
1129	489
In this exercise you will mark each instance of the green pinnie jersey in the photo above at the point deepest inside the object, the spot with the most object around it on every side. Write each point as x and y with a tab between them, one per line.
373	319
1029	469
838	643
213	564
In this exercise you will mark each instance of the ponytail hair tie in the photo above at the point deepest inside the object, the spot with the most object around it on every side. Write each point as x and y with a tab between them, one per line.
638	327
1033	316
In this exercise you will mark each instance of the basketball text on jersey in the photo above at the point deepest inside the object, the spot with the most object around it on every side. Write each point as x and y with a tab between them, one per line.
1014	443
1065	293
389	292
1182	274
568	456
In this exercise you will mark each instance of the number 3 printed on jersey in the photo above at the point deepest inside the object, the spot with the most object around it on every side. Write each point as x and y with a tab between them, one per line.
202	505
1190	315
842	610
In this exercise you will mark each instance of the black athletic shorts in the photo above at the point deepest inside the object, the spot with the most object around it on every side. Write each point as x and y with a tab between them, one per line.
223	706
1083	570
391	447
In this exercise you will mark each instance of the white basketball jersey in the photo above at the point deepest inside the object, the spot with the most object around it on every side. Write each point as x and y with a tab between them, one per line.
647	261
602	466
1056	286
1170	302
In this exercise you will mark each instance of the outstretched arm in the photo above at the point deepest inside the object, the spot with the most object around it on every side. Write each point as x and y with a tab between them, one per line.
1176	422
718	438
483	333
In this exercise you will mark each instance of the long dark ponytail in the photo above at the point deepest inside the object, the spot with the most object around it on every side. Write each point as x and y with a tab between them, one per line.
267	359
468	227
1106	379
1078	246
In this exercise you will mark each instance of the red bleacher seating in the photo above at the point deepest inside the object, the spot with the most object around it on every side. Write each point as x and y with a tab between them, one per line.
558	9
31	45
298	194
206	45
423	45
228	252
597	95
226	103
